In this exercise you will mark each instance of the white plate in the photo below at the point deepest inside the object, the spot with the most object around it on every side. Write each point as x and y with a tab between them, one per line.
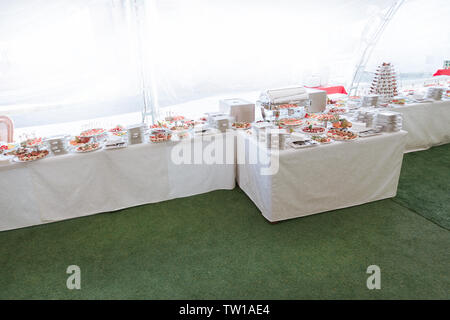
241	128
78	151
313	133
95	135
361	134
309	144
15	159
331	141
345	140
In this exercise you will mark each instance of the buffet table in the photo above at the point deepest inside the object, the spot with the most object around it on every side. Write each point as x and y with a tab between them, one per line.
427	124
74	185
321	178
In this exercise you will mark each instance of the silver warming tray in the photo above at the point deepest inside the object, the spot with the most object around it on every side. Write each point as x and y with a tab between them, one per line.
283	103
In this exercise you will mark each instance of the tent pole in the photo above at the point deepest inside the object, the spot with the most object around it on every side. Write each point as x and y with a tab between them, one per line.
149	100
367	51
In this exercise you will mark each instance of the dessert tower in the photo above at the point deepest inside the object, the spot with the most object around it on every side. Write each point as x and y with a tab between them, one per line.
384	83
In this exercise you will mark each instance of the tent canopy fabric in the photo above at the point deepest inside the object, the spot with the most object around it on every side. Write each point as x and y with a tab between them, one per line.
89	58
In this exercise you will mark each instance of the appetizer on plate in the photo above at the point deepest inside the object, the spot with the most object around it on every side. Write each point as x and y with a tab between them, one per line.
118	131
290	122
32	142
321	139
336	111
160	135
174	118
400	101
32	156
241	125
341	135
342	124
79	141
159	124
18	151
7	147
92	132
287	106
312	129
181	127
88	147
117	128
321	117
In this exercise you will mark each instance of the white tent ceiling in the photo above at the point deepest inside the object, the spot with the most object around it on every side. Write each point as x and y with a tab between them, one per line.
65	52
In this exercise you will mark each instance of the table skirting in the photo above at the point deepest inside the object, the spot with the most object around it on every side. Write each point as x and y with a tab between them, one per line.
75	185
427	124
322	178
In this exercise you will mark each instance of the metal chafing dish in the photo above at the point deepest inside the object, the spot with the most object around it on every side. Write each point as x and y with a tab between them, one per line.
283	103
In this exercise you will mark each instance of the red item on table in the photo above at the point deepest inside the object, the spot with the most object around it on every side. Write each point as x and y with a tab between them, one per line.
331	90
442	72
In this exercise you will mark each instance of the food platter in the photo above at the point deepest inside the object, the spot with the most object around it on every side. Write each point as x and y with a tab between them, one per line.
92	132
313	130
79	141
180	127
322	139
18	151
181	130
321	116
342	124
159	124
33	142
287	106
88	147
241	125
342	135
160	135
290	122
118	131
337	111
31	156
175	118
6	147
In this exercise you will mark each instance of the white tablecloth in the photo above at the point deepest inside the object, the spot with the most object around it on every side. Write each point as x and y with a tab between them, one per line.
428	124
74	185
323	178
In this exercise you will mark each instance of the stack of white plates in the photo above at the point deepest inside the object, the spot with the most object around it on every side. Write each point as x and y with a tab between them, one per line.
366	116
389	121
435	93
370	100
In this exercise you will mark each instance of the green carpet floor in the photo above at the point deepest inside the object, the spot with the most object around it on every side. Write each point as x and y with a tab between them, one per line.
424	185
218	246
